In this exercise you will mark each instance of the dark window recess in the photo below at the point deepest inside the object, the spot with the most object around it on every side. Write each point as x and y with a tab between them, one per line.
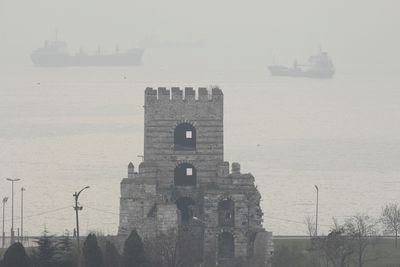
185	174
185	137
186	207
226	213
226	245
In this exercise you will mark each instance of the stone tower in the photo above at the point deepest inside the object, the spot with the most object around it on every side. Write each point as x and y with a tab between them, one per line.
184	182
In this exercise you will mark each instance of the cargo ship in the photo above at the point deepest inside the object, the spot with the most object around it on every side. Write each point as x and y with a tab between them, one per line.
56	54
319	66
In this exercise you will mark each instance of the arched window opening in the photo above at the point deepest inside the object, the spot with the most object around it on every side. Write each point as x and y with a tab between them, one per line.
186	207
185	174
185	137
226	213
226	245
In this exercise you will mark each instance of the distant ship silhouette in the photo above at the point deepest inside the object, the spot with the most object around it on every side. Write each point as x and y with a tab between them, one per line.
55	54
320	66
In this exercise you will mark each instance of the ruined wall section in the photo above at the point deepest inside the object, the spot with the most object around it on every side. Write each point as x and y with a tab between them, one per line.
136	202
164	110
263	248
240	188
142	207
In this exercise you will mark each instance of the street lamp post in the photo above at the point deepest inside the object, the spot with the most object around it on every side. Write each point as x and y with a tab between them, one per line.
77	208
12	206
4	233
22	214
316	213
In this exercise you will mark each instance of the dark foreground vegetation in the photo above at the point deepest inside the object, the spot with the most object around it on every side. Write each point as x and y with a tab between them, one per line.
296	252
355	243
358	242
62	252
166	250
334	250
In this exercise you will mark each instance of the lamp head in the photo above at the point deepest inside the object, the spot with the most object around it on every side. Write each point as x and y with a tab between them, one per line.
78	193
13	180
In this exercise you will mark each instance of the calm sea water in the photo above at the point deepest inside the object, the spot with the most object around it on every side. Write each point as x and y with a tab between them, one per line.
62	129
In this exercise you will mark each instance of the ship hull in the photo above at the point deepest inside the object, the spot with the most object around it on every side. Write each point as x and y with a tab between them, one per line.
131	58
285	71
297	72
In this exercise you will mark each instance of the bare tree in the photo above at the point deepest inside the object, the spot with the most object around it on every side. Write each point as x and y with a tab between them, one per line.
316	254
337	246
362	230
391	219
310	223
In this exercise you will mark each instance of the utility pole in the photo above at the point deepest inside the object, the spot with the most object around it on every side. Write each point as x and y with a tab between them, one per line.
12	207
316	213
77	208
22	214
4	233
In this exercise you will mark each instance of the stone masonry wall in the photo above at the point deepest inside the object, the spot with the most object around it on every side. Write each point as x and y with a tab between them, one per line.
164	111
149	198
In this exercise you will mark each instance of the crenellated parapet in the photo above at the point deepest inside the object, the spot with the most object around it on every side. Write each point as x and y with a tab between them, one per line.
186	94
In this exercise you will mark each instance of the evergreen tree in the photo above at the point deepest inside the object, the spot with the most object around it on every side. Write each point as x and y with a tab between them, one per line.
45	253
66	256
133	254
111	255
15	256
92	254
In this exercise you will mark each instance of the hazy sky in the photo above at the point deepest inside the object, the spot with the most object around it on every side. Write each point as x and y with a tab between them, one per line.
355	32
